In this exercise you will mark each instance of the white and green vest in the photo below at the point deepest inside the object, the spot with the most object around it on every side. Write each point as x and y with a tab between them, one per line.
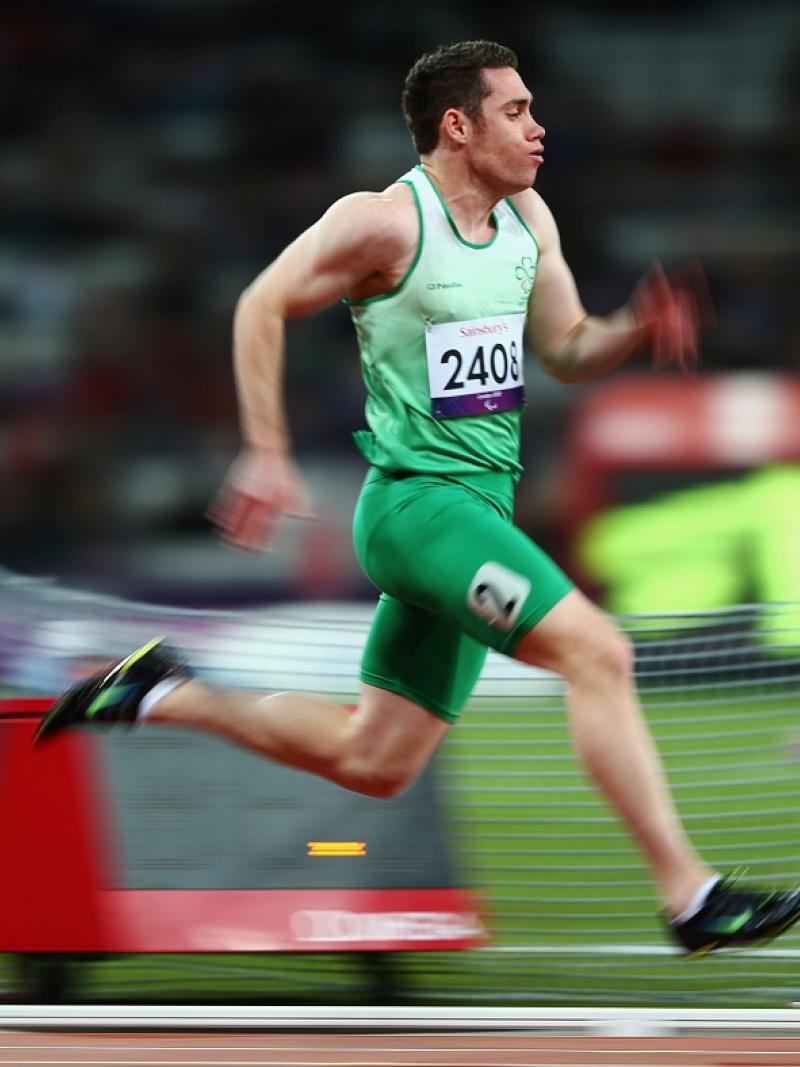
441	353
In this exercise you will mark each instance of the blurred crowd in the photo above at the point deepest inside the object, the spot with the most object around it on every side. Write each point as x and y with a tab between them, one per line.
155	155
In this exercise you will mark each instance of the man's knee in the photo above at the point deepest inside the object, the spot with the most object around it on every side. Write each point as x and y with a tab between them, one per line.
577	640
609	654
390	741
379	782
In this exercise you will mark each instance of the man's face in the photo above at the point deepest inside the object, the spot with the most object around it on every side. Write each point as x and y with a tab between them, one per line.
506	148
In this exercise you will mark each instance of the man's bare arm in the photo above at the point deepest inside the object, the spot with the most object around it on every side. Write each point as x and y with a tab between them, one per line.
355	243
572	345
354	240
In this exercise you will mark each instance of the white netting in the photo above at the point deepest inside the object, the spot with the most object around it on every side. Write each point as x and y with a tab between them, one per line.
574	913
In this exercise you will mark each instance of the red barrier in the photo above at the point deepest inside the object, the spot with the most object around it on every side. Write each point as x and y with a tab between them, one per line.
60	890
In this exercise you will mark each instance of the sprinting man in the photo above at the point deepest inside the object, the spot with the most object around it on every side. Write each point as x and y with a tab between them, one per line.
444	272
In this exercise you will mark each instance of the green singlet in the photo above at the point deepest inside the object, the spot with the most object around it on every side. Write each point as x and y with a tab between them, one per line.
442	360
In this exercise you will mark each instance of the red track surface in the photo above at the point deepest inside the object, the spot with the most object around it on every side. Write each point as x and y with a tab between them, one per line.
390	1050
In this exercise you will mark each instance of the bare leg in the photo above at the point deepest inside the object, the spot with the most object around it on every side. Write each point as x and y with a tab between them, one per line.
613	741
377	749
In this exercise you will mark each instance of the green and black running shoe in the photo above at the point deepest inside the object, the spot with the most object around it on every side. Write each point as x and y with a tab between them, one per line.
115	695
734	916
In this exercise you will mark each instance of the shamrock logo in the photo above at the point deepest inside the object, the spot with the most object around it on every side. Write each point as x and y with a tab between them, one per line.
524	273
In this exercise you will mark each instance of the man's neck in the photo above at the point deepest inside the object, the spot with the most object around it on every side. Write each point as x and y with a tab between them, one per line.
469	202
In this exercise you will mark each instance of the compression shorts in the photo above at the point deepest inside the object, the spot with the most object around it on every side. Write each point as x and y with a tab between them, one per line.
456	576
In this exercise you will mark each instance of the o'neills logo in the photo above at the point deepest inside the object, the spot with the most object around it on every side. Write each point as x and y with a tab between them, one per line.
385	926
473	331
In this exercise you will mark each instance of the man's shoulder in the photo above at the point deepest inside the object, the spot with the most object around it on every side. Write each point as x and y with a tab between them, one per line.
388	217
537	215
395	204
529	204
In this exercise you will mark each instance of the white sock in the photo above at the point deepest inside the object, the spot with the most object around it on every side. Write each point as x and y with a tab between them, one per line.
151	698
698	900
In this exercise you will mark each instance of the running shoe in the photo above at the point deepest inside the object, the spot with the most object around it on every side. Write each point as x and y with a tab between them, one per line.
734	915
114	696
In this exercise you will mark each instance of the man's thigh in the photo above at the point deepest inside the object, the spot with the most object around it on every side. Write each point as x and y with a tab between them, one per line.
393	735
452	555
422	657
573	636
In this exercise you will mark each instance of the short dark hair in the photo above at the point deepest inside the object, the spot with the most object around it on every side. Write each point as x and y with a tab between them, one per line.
450	76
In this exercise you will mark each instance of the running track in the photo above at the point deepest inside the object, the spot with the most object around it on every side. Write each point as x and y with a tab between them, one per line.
302	1049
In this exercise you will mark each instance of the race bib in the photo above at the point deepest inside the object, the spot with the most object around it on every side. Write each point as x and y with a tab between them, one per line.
475	367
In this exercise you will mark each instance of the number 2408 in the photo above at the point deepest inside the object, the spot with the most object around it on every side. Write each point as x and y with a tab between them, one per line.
500	364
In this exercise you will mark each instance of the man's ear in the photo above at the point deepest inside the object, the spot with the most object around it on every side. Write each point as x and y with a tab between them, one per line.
454	125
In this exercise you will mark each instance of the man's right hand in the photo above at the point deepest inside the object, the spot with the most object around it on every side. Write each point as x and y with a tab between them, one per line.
258	490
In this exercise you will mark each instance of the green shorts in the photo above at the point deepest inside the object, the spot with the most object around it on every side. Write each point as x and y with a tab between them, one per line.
456	576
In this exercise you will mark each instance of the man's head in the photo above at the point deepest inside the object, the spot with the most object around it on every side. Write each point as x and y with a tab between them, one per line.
449	77
467	106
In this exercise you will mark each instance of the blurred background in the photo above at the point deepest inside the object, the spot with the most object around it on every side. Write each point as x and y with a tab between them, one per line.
155	156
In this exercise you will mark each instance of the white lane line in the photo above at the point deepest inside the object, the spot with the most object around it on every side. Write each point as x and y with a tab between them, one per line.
654	1049
408	1049
582	1062
242	1063
474	1059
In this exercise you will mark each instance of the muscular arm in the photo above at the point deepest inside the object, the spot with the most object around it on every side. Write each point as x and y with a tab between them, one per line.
354	241
573	346
356	248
